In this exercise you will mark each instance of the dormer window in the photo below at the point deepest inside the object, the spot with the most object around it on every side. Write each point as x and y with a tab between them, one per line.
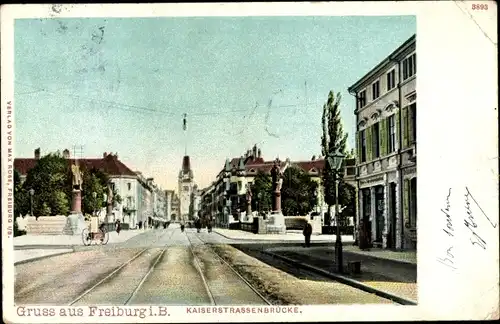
313	170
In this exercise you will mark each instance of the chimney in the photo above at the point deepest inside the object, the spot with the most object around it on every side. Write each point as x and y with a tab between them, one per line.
254	155
37	154
259	153
66	154
104	155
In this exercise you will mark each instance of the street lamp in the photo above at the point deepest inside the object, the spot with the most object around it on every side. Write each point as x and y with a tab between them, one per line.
335	161
32	192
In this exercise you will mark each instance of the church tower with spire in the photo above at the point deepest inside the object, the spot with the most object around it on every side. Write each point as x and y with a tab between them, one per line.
186	184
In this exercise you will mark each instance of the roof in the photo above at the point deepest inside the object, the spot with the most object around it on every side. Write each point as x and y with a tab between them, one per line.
306	166
109	164
186	164
393	56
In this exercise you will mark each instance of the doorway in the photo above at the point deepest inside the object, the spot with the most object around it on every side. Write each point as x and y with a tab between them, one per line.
391	238
379	213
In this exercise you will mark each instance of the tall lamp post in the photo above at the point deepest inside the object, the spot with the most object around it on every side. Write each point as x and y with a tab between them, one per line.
32	192
335	161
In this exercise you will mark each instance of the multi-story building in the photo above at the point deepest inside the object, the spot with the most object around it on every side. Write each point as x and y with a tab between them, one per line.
386	145
169	194
225	199
195	203
175	213
186	184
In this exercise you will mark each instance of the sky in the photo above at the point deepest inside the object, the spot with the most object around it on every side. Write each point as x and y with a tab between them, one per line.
122	85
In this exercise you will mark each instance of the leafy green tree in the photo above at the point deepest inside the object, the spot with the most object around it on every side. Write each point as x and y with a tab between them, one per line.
262	192
21	197
51	181
298	194
334	139
95	180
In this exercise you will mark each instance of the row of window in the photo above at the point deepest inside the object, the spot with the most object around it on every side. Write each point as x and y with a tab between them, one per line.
409	69
389	131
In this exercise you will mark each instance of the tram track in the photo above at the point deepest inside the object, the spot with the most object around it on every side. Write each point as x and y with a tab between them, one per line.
110	275
241	279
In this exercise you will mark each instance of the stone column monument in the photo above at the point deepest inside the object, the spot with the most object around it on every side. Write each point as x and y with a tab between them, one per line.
109	205
75	222
276	221
277	183
249	217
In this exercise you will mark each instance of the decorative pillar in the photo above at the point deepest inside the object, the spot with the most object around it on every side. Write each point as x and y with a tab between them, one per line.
277	201
76	203
399	218
359	213
373	212
385	213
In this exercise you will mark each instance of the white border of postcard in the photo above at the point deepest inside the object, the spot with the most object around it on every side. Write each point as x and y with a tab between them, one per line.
458	150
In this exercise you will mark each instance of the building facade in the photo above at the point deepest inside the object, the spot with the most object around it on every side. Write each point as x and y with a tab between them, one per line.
168	204
176	204
186	184
386	148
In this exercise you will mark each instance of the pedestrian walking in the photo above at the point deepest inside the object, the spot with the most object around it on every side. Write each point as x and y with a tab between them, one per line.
307	233
118	226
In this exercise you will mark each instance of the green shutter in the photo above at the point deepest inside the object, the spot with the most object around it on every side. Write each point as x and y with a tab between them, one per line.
406	201
405	127
369	143
398	126
410	126
383	136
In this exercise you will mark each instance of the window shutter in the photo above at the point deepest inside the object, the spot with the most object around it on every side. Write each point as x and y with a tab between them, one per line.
383	137
410	125
406	201
369	143
404	124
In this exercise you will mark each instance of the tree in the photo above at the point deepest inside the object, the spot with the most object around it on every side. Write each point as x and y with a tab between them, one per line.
333	139
262	192
21	197
51	181
298	194
95	180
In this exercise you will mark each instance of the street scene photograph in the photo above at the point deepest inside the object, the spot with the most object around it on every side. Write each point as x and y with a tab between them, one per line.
208	161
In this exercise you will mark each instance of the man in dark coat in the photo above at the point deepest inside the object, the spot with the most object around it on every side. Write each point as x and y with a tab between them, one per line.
307	234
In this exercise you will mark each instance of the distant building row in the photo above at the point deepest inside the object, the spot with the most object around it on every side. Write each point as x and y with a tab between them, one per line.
225	199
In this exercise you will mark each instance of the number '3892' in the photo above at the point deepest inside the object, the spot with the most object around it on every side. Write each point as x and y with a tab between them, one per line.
480	6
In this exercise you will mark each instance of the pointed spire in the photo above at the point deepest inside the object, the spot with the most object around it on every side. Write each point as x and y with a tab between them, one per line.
241	165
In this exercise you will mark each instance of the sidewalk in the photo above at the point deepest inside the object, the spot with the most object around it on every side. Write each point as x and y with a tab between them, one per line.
69	240
381	270
30	247
295	236
409	257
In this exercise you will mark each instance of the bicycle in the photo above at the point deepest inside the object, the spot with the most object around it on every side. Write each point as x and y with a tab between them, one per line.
101	235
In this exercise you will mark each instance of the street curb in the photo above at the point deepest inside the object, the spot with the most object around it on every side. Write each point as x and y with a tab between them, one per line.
267	241
42	257
345	280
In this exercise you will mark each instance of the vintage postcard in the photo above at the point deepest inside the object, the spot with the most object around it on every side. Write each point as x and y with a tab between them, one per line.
249	162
